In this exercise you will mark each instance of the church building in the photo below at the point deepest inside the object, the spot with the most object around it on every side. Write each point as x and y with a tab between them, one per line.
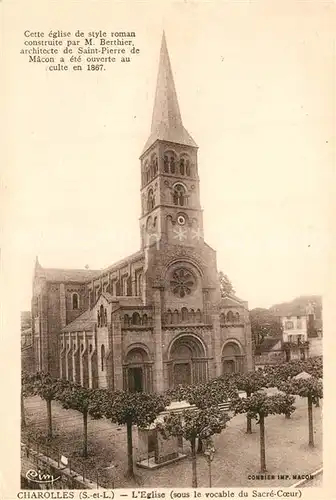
155	319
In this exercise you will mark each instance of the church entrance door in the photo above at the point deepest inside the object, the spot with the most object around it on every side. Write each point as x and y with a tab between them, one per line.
182	374
188	363
233	359
135	379
229	366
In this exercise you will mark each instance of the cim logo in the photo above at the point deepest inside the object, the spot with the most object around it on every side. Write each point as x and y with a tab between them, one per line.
40	477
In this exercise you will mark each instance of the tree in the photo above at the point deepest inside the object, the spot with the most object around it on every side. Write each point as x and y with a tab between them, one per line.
133	408
285	371
86	401
206	395
310	388
250	382
259	406
193	424
48	388
264	323
226	287
26	390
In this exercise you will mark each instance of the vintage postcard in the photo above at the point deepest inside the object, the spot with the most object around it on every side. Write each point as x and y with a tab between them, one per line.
166	188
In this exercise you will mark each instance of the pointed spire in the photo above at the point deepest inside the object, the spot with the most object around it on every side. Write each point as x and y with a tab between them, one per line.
166	120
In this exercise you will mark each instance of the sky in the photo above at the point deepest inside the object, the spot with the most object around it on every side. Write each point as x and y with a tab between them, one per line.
255	83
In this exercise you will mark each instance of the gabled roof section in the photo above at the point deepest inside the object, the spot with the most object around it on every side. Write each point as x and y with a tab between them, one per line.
268	345
232	300
166	120
84	322
63	275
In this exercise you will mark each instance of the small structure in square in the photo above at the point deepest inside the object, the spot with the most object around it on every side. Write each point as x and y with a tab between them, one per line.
154	450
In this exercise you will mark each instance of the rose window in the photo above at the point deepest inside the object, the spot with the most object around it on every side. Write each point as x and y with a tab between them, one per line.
182	282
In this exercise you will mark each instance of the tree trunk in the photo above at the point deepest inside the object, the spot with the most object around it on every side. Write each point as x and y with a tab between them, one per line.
49	418
200	446
248	419
130	471
23	416
317	402
85	436
193	463
287	415
262	444
310	421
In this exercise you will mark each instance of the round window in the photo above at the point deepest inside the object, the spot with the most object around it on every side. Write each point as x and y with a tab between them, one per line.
181	220
182	282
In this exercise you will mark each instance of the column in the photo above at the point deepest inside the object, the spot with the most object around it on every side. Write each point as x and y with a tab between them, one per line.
117	351
157	334
62	305
90	360
75	374
62	374
67	350
217	347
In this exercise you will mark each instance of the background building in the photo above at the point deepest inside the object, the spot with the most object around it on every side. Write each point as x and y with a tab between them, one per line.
302	326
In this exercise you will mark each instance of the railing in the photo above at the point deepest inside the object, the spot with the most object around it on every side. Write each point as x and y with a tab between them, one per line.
71	474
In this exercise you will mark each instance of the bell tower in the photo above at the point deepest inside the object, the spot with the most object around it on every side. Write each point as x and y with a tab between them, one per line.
170	199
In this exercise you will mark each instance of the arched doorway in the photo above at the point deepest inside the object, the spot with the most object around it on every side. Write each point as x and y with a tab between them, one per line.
137	371
233	359
187	363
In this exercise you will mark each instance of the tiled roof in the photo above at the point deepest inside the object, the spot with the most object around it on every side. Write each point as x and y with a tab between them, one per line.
63	275
267	345
83	275
84	322
231	300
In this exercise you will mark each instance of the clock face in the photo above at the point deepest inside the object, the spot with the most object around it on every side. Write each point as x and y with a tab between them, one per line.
181	220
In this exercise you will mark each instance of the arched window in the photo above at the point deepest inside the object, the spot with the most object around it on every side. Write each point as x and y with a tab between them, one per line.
105	317
184	312
182	168
102	357
188	169
136	320
166	164
150	200
172	165
192	316
126	320
222	318
98	318
175	317
237	317
169	317
229	317
75	301
101	315
90	348
145	319
139	284
155	165
179	195
198	316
